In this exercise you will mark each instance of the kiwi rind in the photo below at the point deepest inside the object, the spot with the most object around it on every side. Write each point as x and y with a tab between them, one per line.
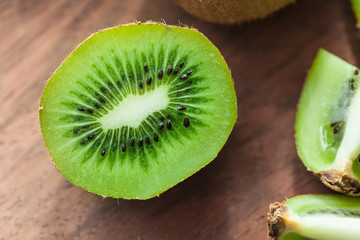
325	99
232	11
281	214
134	190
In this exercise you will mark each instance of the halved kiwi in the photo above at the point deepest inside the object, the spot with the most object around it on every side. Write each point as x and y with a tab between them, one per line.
328	123
330	217
137	108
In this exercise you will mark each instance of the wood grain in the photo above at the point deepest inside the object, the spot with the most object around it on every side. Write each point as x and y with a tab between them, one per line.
226	200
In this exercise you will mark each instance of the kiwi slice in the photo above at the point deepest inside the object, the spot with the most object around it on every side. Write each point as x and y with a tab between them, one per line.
136	109
327	125
330	217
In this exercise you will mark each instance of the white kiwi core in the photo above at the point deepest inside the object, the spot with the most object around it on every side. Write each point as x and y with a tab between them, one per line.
328	226
350	145
134	109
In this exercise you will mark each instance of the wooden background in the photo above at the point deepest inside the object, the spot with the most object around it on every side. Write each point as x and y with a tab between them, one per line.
226	200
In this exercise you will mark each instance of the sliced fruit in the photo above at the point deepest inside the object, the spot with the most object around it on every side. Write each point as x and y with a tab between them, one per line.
137	108
330	217
327	129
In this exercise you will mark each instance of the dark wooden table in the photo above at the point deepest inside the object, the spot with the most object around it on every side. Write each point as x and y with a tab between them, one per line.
229	198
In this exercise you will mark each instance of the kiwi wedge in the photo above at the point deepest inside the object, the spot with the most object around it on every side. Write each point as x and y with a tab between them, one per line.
136	109
327	129
330	217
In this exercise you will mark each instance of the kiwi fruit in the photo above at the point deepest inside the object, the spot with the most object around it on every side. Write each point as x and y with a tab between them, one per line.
138	108
327	129
356	8
330	217
232	11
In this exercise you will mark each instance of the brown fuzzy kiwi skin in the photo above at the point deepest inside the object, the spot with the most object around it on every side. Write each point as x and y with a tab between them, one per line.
340	182
275	219
232	11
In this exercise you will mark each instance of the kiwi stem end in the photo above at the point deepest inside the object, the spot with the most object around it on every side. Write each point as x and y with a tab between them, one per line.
276	216
340	182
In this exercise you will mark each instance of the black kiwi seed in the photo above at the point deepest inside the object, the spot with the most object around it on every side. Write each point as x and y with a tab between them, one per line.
103	89
147	140
141	141
76	131
89	110
91	136
81	109
118	84
97	105
141	85
184	76
181	64
323	211
176	71
160	74
161	126
353	213
352	80
102	100
181	108
168	125
333	124
336	129
132	142
170	69
188	73
123	147
148	81
356	72
161	118
156	138
82	142
186	122
352	86
146	68
103	151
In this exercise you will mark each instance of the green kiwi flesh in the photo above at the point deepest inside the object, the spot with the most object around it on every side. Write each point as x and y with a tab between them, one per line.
330	217
138	108
327	128
356	8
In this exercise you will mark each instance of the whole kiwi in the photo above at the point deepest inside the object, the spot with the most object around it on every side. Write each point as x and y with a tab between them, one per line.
231	11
